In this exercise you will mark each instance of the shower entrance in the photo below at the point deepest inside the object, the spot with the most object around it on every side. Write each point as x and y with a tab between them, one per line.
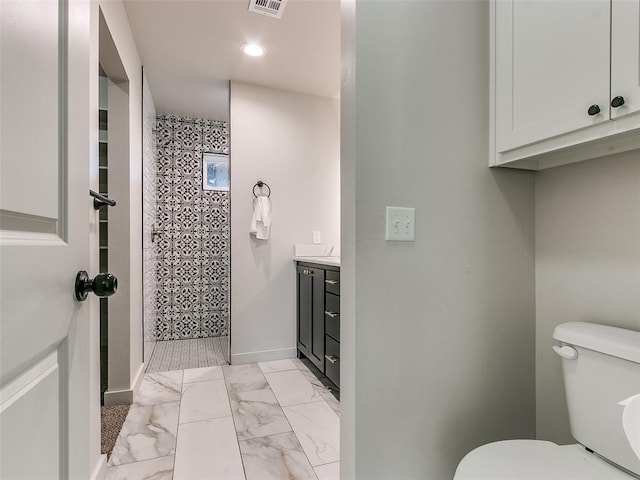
187	305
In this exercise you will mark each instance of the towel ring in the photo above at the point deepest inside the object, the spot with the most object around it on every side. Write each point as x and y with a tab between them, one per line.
260	184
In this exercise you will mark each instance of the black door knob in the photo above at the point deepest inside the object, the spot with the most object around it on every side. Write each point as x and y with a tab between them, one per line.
593	110
104	285
617	101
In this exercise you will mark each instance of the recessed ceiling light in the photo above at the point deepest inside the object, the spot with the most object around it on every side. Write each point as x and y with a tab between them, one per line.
253	50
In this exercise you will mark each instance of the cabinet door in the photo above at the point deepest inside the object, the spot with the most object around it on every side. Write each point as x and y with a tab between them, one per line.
311	314
305	310
625	56
317	327
551	64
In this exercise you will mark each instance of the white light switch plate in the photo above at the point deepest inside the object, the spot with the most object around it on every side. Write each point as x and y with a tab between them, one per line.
401	224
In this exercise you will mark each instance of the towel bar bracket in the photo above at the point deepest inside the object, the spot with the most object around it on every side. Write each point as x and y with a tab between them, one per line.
260	184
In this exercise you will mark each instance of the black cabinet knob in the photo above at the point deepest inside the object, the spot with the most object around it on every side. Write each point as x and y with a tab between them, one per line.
593	110
617	101
103	285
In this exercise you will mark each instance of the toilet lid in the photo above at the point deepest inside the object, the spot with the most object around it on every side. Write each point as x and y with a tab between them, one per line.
534	460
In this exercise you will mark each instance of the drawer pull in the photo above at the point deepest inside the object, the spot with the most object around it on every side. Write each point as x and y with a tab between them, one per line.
331	314
332	358
332	282
307	272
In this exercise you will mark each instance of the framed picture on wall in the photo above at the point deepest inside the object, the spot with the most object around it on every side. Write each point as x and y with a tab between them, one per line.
215	171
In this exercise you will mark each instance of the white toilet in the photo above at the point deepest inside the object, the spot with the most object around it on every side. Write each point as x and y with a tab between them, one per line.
601	368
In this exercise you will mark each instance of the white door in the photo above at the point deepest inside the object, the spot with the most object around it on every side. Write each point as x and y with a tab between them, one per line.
552	65
48	411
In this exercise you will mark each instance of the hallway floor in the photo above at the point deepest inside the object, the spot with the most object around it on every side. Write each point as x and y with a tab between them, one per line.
265	421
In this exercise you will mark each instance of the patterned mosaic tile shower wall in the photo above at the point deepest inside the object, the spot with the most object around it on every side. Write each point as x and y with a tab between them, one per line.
194	275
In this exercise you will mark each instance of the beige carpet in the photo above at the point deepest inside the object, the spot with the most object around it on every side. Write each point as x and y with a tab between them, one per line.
112	419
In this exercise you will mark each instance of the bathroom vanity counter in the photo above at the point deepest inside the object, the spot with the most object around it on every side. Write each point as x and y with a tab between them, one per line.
331	261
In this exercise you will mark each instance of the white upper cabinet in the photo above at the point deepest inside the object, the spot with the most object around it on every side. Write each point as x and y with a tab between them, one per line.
553	65
625	57
565	80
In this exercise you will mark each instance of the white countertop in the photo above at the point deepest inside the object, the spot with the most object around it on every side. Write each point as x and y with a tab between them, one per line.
333	261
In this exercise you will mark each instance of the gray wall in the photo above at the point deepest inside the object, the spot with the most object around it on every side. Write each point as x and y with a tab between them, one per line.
348	240
292	142
444	358
587	264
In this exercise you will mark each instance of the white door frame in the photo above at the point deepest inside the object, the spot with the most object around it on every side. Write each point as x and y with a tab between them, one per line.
116	52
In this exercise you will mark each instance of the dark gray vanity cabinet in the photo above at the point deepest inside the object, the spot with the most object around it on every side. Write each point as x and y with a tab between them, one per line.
318	317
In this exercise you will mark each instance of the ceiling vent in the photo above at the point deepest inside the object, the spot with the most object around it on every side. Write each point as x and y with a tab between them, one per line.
270	8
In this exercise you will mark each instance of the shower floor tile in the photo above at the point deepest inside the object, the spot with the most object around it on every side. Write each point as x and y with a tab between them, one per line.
171	355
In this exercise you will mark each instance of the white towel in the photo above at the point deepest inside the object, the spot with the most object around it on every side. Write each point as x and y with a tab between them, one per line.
261	219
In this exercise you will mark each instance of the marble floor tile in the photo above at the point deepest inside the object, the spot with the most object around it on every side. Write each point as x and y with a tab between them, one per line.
321	388
299	364
155	469
275	457
202	423
208	450
244	378
291	387
313	380
318	429
333	402
330	471
148	432
257	414
276	366
192	375
159	388
204	400
318	386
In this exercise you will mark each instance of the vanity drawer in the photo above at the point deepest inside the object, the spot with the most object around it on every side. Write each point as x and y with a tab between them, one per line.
332	316
332	360
332	282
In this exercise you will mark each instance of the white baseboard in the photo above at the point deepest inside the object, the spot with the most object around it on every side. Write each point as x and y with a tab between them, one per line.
263	356
139	377
119	397
100	472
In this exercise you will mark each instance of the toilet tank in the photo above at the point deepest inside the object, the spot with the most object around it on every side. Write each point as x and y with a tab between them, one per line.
604	372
